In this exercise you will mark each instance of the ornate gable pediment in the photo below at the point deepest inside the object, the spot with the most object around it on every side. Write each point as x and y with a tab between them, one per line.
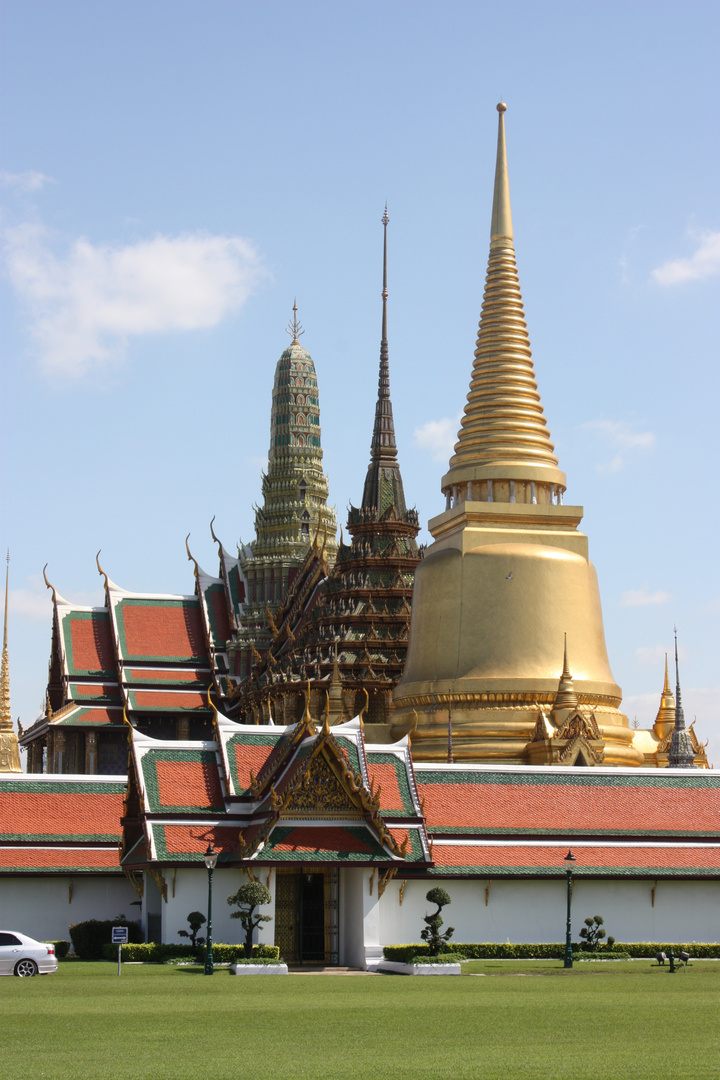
318	792
580	725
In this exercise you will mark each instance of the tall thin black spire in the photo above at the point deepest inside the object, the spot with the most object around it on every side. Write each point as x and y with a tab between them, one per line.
383	483
681	754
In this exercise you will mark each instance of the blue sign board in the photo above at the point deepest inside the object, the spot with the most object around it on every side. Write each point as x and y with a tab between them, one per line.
119	935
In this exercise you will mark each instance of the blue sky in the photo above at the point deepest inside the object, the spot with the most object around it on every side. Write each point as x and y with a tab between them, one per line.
174	174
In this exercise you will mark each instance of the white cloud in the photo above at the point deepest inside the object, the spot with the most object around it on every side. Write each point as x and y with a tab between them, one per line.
439	437
86	304
643	598
33	602
704	263
654	655
25	181
621	438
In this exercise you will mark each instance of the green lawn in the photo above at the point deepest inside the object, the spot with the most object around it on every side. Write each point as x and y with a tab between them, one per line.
518	1020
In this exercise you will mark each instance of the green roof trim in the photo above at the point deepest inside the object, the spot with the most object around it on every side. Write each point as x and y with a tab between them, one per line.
655	779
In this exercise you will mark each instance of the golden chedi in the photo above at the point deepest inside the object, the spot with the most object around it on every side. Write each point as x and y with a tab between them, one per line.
508	576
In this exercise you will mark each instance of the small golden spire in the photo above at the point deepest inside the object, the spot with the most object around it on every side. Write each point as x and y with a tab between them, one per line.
295	327
566	698
9	751
665	719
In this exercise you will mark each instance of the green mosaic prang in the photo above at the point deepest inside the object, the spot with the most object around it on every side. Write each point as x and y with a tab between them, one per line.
149	771
402	780
244	740
83	616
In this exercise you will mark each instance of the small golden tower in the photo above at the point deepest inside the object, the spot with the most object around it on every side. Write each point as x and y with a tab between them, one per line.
665	719
9	751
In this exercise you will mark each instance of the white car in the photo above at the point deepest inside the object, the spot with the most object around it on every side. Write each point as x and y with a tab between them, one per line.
22	955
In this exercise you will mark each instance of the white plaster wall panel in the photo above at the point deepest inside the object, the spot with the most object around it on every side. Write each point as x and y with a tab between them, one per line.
39	906
534	911
191	894
352	945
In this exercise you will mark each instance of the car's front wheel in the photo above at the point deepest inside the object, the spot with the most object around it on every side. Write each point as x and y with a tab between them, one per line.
26	969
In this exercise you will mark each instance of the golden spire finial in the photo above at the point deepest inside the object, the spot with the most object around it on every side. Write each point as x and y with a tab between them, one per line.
503	435
295	327
501	220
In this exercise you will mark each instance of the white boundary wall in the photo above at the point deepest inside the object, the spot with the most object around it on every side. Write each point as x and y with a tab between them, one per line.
535	910
41	906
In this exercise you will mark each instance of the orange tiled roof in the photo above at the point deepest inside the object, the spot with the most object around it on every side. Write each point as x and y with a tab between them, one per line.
42	812
57	858
529	859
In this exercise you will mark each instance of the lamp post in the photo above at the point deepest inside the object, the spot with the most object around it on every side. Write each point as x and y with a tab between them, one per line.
211	862
569	860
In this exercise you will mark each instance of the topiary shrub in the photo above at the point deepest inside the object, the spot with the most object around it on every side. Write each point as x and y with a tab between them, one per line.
593	933
89	937
196	919
431	934
248	897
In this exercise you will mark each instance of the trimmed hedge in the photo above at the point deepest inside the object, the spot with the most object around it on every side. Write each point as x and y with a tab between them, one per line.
150	953
503	950
62	948
89	937
609	954
231	954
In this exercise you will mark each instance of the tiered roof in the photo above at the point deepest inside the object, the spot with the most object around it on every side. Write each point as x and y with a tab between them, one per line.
52	825
154	656
520	821
300	793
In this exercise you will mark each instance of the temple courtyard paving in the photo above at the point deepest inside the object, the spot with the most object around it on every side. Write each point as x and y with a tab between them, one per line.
522	1019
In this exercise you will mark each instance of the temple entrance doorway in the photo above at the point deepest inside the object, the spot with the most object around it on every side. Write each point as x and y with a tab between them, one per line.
306	915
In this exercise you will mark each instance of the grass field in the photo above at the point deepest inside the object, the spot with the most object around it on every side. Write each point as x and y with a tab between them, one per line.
529	1020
